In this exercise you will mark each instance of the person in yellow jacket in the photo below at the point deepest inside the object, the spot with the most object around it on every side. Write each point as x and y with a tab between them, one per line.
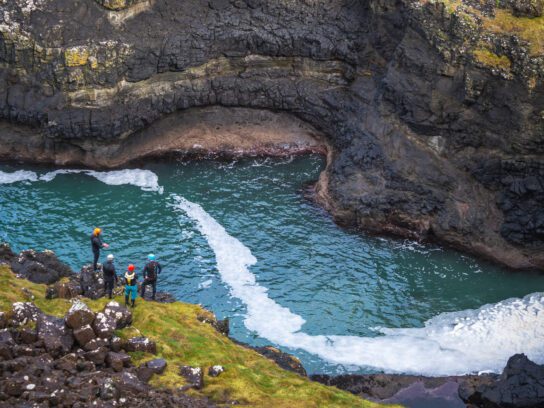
131	285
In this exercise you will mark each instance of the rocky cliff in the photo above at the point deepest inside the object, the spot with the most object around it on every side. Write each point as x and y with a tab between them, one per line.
433	112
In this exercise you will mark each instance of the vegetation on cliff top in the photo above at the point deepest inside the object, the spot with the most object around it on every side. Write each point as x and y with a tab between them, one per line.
528	29
182	339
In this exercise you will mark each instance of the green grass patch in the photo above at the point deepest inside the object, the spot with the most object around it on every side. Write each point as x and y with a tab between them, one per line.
182	339
528	29
490	59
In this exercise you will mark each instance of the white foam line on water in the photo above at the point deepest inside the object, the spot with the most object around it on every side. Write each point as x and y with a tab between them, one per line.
17	176
449	344
145	179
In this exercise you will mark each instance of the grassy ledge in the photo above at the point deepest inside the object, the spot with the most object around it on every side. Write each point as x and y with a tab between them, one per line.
181	338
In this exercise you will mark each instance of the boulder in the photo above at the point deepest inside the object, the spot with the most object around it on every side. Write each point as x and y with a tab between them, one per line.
57	338
6	344
215	370
97	356
120	314
40	267
23	313
140	344
116	343
84	335
95	343
91	282
284	360
67	363
146	370
129	383
117	360
520	385
27	335
64	289
527	8
194	377
104	326
6	254
79	315
108	390
222	326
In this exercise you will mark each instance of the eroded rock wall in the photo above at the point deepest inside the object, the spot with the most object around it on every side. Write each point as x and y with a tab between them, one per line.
434	116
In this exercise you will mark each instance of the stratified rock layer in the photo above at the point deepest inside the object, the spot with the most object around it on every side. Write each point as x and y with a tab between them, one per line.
433	113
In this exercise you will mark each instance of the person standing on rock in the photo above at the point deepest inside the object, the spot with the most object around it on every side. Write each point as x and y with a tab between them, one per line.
131	285
110	277
150	273
96	244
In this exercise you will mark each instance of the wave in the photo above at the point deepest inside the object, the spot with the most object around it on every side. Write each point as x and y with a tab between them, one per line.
17	176
144	179
449	344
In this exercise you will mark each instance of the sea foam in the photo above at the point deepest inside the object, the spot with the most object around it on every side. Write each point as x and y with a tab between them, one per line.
17	176
449	344
145	179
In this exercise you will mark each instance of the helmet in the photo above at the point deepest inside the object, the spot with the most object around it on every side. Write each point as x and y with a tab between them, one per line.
131	268
110	257
151	257
97	231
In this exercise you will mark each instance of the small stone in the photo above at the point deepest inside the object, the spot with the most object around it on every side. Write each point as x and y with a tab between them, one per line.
194	377
215	370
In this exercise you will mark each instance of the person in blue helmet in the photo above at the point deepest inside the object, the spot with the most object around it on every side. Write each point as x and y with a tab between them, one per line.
150	274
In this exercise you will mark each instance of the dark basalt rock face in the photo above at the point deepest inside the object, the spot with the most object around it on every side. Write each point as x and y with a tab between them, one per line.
426	139
521	385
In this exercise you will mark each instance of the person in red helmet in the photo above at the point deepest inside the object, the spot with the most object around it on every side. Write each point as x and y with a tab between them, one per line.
131	285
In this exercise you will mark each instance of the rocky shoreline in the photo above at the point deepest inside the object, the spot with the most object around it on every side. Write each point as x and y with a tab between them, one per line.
431	111
78	359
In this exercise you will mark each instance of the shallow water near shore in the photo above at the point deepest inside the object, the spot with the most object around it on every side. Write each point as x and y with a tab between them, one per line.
239	238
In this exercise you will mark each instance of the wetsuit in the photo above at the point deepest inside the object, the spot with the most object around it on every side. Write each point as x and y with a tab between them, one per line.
150	273
131	287
109	277
96	244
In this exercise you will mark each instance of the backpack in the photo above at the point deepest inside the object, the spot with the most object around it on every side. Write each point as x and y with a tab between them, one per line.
151	271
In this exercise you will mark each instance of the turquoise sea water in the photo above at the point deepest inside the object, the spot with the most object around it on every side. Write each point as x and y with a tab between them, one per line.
240	239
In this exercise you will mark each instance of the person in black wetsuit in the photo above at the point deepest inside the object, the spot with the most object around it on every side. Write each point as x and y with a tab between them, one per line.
150	273
110	277
96	244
